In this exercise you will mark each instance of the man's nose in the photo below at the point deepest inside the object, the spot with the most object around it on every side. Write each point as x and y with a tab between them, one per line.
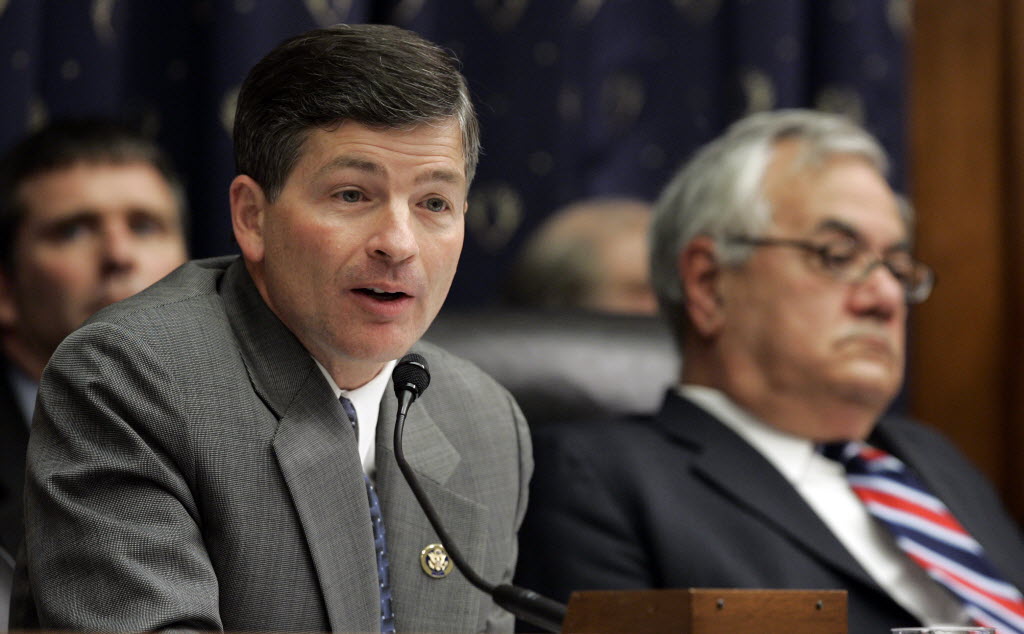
118	247
394	236
880	292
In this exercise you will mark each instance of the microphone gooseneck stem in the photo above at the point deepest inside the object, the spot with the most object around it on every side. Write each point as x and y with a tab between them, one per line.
428	508
525	604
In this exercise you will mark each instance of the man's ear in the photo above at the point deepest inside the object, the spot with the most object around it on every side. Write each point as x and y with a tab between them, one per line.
248	212
700	274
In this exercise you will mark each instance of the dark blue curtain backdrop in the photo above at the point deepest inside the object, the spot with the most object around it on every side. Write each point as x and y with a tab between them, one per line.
577	98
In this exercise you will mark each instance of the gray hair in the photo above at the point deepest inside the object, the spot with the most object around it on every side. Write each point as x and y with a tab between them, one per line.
718	193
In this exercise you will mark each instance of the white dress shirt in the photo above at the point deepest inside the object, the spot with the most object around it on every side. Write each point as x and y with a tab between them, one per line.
366	400
822	484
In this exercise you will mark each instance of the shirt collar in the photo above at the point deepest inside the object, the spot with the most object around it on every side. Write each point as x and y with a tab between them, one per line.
366	398
791	455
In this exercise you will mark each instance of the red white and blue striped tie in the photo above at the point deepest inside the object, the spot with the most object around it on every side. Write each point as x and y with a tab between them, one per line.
929	534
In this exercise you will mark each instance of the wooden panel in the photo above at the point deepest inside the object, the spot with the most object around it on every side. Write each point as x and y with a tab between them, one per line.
958	352
707	611
1013	436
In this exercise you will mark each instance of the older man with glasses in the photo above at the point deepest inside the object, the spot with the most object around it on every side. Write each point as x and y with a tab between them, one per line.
782	259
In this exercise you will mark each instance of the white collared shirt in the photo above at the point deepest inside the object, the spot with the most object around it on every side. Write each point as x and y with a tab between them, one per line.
366	399
822	484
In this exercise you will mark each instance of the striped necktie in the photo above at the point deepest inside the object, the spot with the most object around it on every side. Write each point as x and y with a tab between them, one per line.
928	533
387	616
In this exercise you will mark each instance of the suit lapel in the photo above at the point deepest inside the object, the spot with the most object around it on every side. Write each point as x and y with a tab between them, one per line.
426	447
317	455
422	603
320	463
729	463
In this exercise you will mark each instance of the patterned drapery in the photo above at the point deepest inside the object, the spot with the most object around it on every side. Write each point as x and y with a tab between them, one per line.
577	98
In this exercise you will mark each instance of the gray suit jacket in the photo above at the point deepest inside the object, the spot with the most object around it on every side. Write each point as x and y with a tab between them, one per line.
679	500
190	467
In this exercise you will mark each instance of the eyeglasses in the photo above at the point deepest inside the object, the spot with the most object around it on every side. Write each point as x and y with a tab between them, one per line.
846	260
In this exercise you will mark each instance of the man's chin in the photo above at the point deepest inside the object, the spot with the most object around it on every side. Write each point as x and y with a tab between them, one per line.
875	390
383	344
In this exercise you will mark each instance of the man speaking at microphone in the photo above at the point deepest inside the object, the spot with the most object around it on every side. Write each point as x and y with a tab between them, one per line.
216	452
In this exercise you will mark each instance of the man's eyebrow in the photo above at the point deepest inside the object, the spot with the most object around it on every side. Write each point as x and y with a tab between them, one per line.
351	162
838	226
78	214
440	175
364	165
848	230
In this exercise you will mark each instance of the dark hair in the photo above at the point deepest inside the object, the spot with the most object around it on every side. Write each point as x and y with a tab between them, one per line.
61	145
377	75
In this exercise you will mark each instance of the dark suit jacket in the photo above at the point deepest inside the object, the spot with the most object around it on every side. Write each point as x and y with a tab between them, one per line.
13	444
679	500
189	466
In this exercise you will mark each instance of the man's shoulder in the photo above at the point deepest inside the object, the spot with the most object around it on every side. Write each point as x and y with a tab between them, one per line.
620	438
194	280
640	444
461	391
453	371
630	429
178	317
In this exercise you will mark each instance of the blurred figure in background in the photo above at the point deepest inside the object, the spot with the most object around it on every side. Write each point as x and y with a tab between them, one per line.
591	254
782	262
90	213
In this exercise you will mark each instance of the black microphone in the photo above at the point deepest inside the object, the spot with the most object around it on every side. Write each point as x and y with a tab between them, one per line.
411	378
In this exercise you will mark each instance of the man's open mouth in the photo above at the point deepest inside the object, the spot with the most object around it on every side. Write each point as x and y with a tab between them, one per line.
378	294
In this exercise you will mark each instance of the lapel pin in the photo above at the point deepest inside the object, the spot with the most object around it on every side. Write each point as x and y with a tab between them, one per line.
435	561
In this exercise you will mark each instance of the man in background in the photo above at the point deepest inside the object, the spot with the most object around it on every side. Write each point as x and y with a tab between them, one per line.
591	254
782	260
90	213
216	453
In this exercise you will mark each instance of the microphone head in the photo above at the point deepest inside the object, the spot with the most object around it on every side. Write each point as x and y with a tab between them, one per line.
412	374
